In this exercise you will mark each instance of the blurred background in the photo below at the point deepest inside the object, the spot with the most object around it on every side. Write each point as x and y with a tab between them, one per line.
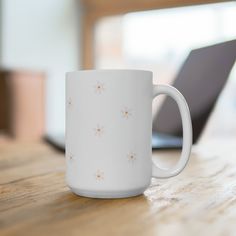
41	40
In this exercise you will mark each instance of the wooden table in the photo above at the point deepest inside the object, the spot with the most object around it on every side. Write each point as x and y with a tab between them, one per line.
34	199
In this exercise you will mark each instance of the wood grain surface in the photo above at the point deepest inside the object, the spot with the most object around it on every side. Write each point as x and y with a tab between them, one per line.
34	199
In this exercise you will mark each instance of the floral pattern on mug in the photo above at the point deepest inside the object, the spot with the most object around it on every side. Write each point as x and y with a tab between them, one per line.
126	112
71	157
99	130
99	87
132	157
69	102
99	175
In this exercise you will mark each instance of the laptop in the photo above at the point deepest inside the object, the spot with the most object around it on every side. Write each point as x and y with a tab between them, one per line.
201	80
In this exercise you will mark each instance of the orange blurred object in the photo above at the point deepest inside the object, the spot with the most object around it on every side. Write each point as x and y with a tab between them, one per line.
24	104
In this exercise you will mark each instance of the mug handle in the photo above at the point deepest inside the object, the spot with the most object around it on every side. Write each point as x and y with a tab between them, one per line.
187	132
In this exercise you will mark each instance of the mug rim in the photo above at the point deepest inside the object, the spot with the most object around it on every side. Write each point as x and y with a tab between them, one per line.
106	71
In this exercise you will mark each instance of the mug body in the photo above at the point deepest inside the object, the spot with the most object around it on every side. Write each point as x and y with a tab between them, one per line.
108	132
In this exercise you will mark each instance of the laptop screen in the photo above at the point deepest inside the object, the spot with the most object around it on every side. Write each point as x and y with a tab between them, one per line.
200	79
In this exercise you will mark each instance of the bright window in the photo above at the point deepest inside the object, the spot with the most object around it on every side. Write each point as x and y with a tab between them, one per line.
160	40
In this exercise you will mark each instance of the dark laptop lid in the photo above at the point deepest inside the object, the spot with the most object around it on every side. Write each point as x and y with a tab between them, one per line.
201	79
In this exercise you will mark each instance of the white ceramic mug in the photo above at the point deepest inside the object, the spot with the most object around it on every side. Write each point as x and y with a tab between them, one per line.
108	132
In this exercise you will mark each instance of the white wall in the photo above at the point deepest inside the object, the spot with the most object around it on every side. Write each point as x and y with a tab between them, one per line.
43	35
0	32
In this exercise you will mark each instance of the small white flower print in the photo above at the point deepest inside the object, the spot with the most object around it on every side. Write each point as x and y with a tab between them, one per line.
126	113
71	157
99	87
132	157
99	175
69	102
99	130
